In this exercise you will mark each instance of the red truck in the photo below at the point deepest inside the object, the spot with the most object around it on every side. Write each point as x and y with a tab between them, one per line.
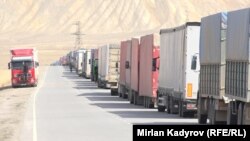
139	63
24	67
148	70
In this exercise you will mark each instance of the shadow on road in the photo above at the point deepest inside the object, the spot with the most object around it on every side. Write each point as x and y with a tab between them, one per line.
114	104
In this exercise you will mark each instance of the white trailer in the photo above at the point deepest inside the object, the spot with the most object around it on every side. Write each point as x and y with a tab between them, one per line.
108	66
212	103
86	67
237	86
179	69
79	61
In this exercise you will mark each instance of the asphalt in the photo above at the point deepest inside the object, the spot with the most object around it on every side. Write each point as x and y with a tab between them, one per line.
67	107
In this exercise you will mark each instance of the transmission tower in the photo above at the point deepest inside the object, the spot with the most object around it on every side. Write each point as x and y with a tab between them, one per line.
78	35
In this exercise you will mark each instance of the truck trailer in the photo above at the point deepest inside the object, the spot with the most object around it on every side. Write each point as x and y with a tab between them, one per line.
212	103
108	66
237	86
24	67
79	61
148	71
134	74
86	65
94	65
179	69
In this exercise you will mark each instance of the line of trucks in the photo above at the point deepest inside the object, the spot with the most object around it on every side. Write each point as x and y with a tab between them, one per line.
197	69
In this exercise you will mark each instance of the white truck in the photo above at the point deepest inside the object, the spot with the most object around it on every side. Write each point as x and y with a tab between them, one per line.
179	69
108	66
79	61
212	103
237	85
86	67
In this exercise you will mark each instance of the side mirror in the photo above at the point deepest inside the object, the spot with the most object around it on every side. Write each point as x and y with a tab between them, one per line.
127	64
9	66
116	64
154	64
194	62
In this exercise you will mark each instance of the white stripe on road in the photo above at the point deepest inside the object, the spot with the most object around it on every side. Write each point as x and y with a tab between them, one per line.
34	105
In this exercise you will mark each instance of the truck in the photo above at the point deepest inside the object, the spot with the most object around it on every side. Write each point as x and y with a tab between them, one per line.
179	69
134	74
122	78
24	67
148	71
86	65
108	67
79	61
212	102
237	87
94	65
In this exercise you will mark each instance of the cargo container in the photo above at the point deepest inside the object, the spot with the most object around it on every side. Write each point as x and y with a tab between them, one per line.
86	65
94	65
134	74
122	78
179	69
148	70
212	103
24	67
237	86
108	66
79	61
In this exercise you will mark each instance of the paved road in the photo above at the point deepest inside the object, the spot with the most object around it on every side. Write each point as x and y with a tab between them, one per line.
71	108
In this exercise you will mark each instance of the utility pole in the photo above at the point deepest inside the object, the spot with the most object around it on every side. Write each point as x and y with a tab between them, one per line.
78	35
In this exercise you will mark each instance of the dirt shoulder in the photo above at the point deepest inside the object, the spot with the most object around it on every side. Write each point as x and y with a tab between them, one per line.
13	105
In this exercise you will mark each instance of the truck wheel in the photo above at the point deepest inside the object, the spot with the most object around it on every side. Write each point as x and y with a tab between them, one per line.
131	98
151	105
231	117
112	93
240	114
202	119
161	108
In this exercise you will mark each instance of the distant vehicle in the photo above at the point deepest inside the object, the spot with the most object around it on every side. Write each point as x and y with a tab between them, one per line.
24	67
79	61
94	65
86	64
108	66
179	69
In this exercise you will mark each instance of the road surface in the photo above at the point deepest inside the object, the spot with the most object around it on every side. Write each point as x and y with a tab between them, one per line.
67	107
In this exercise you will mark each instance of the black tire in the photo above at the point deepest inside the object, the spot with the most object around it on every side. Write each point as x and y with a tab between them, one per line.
231	118
132	99
112	93
161	108
202	119
240	114
124	96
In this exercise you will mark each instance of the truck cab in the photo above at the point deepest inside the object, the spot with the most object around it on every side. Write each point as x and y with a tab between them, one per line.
24	67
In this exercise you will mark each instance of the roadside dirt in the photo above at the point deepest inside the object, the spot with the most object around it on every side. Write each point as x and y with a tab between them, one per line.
13	105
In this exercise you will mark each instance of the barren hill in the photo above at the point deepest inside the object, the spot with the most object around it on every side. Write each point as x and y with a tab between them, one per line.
48	24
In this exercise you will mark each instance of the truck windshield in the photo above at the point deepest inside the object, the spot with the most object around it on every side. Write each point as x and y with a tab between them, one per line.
20	64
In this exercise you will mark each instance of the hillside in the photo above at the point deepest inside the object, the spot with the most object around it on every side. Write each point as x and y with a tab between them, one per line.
49	24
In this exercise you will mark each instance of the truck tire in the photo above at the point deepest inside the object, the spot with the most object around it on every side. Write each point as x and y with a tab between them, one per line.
231	117
161	108
202	119
113	93
132	98
240	114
